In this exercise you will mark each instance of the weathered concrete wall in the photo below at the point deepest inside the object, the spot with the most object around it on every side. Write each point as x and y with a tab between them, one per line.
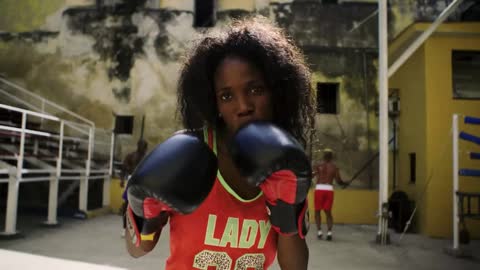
116	58
27	15
404	12
339	49
353	132
124	60
104	62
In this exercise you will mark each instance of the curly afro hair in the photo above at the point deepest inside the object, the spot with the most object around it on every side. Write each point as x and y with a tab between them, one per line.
264	45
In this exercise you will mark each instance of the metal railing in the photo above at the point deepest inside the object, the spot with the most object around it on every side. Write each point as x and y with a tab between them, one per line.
82	134
38	102
74	121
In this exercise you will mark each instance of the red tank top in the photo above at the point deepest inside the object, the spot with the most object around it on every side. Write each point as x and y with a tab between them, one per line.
226	232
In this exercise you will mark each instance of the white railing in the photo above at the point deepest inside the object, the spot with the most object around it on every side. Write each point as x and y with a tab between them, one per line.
81	133
71	119
455	179
42	104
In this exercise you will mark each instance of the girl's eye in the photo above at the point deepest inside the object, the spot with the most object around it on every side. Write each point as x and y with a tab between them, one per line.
225	96
256	90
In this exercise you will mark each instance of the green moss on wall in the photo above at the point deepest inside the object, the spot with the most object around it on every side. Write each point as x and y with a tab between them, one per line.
49	76
26	15
402	15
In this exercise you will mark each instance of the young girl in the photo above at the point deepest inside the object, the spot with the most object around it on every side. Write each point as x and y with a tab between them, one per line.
249	71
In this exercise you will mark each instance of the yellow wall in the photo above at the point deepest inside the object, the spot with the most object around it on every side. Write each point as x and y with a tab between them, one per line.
410	80
229	4
425	83
350	206
177	4
116	195
440	107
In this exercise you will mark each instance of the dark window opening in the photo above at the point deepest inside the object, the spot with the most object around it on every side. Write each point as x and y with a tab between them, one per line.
465	70
327	98
413	167
204	13
329	2
123	124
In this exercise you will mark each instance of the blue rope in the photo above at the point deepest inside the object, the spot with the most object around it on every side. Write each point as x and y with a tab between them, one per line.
474	155
469	137
471	120
469	172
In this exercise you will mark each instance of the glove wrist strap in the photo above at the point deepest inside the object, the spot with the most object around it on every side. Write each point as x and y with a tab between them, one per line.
289	219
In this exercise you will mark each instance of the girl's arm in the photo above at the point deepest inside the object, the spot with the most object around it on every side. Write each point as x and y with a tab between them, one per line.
147	242
292	252
144	248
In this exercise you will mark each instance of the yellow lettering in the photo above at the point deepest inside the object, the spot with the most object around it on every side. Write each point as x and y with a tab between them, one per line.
230	234
249	233
209	235
264	230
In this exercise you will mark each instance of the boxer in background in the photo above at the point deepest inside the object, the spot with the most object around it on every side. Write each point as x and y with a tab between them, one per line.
326	172
233	185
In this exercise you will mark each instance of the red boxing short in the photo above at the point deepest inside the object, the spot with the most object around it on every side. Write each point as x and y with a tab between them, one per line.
323	197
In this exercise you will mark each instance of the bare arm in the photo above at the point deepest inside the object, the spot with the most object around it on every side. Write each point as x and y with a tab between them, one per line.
144	248
292	252
145	245
314	170
338	178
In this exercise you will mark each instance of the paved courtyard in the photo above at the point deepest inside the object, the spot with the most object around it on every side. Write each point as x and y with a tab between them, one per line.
95	244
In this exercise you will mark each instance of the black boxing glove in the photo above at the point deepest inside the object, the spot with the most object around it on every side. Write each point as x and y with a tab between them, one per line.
176	176
272	159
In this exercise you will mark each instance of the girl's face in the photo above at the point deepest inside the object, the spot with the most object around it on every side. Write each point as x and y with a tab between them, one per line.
241	93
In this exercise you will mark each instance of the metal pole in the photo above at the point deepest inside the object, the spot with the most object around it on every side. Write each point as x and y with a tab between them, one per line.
424	36
383	113
112	144
106	191
107	180
394	165
455	179
43	111
83	196
14	184
143	127
53	193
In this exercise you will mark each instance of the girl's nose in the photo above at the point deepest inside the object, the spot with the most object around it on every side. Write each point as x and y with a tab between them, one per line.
245	105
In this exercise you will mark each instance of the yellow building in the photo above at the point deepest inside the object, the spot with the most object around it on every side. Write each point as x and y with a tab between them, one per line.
427	103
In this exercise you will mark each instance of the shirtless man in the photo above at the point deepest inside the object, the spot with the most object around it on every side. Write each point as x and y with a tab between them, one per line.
325	172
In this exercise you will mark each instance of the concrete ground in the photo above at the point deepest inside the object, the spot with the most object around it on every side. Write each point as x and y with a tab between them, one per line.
95	244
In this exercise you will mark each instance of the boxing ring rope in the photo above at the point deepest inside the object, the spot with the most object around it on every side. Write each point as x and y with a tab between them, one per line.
456	135
474	155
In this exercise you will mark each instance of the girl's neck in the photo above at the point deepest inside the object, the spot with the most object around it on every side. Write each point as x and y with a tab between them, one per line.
229	171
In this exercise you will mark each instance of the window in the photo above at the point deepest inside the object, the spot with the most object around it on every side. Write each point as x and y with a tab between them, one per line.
204	13
123	124
413	167
327	98
465	74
